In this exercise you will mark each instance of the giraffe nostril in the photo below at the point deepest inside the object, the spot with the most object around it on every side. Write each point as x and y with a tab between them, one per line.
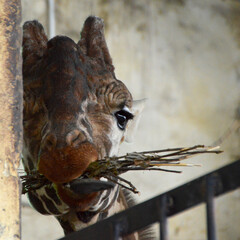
74	137
50	141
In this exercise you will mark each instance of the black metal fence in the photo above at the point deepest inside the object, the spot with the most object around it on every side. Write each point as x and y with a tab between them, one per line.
158	209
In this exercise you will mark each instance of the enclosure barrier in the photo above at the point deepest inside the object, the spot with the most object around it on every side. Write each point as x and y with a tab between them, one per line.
157	209
10	117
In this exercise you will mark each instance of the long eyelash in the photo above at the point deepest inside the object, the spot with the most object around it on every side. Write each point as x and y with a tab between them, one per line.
126	109
127	114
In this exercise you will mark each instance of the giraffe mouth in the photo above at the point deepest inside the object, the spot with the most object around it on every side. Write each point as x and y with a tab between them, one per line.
65	166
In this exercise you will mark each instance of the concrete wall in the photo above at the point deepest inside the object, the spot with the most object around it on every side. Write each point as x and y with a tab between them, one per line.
184	56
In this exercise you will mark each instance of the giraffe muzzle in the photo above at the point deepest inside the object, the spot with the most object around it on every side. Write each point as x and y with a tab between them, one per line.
67	163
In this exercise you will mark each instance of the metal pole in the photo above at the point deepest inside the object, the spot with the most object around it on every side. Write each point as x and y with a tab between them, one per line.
211	229
163	217
51	18
116	232
10	117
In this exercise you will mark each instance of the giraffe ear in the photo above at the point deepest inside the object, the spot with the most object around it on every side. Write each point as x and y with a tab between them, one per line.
93	43
34	39
33	47
136	110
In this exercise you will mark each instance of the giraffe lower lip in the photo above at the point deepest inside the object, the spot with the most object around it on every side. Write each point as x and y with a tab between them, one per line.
87	186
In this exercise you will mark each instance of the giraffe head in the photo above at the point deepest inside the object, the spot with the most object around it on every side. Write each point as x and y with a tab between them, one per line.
75	109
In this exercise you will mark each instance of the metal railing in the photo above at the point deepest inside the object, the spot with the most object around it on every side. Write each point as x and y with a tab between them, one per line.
158	209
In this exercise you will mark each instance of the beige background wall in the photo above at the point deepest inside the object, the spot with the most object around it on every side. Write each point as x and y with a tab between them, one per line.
184	56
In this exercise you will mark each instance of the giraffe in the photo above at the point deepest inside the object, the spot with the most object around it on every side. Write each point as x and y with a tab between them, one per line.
75	112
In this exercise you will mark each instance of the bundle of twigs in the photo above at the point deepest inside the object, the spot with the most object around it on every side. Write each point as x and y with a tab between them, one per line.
111	167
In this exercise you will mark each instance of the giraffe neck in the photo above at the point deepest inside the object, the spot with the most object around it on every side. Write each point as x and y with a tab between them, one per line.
75	221
46	201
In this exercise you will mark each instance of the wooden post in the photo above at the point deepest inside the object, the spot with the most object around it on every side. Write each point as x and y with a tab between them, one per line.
10	117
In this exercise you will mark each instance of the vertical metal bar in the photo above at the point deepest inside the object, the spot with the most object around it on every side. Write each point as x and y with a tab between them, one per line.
210	185
163	217
117	231
10	117
51	18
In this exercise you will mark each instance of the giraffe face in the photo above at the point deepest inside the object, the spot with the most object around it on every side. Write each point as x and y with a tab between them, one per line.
85	122
75	110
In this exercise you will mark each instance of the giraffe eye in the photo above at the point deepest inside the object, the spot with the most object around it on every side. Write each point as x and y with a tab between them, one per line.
122	117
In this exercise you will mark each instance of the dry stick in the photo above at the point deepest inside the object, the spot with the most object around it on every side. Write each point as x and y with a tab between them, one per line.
233	127
190	154
182	151
29	181
153	169
175	164
134	190
172	149
124	180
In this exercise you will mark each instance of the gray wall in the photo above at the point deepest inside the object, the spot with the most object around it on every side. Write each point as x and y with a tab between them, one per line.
184	56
